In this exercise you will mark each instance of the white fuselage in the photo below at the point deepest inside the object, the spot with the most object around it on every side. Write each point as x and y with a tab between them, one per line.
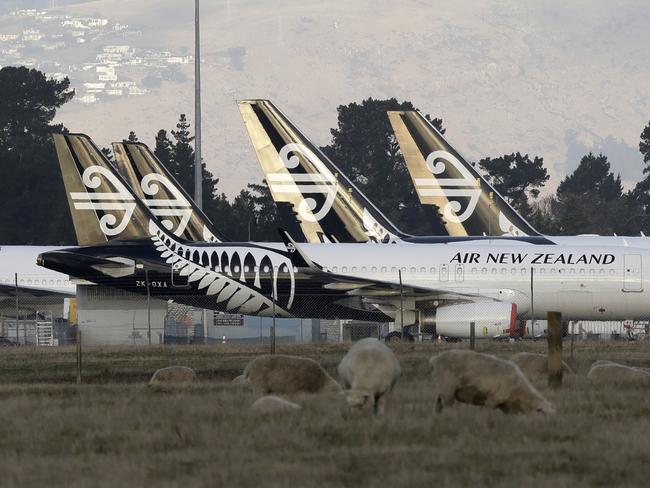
21	260
583	282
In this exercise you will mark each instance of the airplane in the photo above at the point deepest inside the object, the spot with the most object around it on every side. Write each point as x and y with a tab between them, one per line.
155	185
442	284
286	154
437	168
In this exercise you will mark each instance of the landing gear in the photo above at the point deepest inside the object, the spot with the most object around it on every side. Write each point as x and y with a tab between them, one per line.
396	336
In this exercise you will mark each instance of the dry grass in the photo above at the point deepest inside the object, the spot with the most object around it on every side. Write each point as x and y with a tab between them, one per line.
116	431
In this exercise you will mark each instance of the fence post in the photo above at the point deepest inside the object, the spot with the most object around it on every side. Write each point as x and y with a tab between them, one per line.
78	338
573	333
17	312
554	350
472	335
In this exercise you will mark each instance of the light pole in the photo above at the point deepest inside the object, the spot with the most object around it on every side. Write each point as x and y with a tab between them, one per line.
198	170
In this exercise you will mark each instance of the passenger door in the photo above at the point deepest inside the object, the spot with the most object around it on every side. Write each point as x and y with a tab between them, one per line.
633	280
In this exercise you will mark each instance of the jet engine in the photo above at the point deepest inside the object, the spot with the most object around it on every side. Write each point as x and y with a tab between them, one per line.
490	318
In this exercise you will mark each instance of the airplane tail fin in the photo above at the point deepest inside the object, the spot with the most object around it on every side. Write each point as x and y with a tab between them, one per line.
102	205
167	200
314	199
468	204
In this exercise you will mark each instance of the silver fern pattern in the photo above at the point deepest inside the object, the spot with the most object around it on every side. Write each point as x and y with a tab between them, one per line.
232	274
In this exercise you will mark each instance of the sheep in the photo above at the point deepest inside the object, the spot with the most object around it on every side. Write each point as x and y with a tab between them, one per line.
173	374
288	374
608	372
368	372
535	366
273	405
482	379
240	380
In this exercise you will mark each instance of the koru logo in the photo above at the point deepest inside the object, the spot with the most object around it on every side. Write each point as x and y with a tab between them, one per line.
120	200
449	190
286	185
178	206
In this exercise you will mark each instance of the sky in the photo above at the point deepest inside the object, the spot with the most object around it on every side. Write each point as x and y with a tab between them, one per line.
555	79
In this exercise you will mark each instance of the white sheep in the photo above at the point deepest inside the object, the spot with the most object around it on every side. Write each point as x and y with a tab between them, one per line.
368	372
482	379
274	405
535	366
282	374
173	374
609	372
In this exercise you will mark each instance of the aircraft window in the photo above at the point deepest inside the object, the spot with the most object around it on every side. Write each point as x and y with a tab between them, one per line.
344	269
423	270
592	272
524	271
483	270
413	270
541	271
433	270
393	269
22	282
602	271
247	269
553	271
66	282
51	282
335	269
582	271
364	269
374	269
353	269
226	269
275	268
513	271
58	282
474	270
265	269
235	269
218	269
384	269
612	272
572	271
504	270
494	271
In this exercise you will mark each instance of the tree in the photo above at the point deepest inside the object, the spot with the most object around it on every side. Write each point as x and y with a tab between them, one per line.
182	163
517	177
644	147
108	154
591	200
132	137
364	147
34	206
164	149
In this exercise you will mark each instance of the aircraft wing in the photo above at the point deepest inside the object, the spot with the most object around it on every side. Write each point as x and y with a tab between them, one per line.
9	291
369	288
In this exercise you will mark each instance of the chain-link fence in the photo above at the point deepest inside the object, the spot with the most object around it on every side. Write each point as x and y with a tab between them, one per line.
108	316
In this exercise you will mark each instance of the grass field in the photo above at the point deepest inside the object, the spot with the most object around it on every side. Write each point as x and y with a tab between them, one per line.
114	430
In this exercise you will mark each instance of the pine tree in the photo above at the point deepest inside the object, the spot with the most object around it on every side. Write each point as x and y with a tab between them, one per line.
132	137
516	177
183	155
34	208
365	148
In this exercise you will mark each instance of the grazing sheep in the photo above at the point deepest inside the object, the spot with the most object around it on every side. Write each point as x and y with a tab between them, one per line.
240	380
368	371
605	372
288	374
535	366
273	405
481	379
173	374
